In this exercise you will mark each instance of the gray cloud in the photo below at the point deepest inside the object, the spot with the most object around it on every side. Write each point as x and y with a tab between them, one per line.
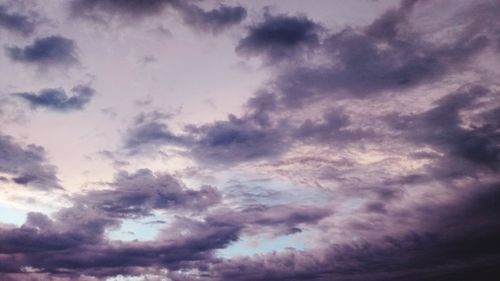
47	51
56	99
213	20
417	200
465	151
389	54
92	8
435	252
16	22
27	165
333	129
138	194
232	141
280	37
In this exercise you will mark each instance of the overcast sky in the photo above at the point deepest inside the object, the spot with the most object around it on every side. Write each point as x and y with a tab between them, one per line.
263	140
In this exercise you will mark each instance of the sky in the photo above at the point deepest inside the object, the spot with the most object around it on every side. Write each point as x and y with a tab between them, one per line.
183	140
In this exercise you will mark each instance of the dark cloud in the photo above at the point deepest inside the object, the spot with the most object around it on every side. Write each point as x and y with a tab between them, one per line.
280	37
364	69
52	50
27	165
254	136
214	20
95	8
15	22
333	129
450	249
418	201
235	140
232	141
462	148
260	107
56	99
387	27
73	243
389	54
138	194
149	130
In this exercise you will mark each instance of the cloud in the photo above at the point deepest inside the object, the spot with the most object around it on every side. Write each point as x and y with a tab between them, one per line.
463	150
223	142
27	165
72	242
435	252
93	8
281	219
148	134
15	22
56	99
388	182
214	20
363	69
235	140
333	129
388	26
280	37
47	51
390	54
138	194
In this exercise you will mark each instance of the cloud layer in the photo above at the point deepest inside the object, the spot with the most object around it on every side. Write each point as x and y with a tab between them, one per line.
366	151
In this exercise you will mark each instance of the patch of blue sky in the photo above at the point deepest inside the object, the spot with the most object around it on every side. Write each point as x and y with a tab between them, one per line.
10	215
144	229
262	245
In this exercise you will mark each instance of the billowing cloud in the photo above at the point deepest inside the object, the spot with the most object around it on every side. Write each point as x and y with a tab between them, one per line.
73	244
433	253
56	99
389	54
474	148
26	165
138	194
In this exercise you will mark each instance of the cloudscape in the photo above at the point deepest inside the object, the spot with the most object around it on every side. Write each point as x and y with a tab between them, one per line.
263	140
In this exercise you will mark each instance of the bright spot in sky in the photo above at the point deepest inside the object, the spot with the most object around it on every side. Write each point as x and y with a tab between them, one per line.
11	215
